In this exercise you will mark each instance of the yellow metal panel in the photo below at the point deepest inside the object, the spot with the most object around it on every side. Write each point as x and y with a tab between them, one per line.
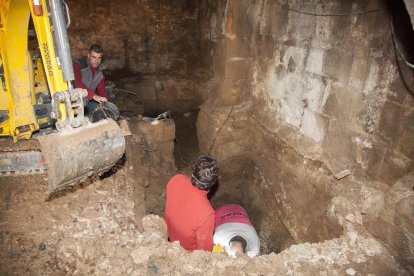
17	94
54	74
5	126
14	32
40	78
4	98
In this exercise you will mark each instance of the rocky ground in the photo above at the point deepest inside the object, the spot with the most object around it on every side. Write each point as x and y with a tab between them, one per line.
94	230
101	228
113	224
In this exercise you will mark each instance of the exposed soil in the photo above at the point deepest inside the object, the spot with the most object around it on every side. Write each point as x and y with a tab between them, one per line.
94	230
99	227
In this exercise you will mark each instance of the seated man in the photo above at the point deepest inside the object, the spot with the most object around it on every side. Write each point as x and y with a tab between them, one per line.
188	213
234	231
89	76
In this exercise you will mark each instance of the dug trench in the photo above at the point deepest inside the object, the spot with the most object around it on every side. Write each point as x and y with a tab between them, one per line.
304	104
114	224
239	183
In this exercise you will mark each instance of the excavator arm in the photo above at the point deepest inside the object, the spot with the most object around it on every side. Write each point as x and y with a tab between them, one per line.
75	149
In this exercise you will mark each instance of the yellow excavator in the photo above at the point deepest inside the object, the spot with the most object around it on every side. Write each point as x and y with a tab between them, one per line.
36	93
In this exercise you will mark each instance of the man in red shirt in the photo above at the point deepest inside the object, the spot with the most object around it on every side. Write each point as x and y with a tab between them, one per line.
88	76
188	213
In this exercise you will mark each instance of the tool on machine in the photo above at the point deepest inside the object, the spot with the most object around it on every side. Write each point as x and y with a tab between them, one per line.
34	96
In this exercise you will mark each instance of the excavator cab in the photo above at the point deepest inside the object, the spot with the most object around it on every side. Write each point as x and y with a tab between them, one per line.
36	92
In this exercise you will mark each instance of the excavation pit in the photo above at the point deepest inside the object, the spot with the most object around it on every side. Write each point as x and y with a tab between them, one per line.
239	183
307	106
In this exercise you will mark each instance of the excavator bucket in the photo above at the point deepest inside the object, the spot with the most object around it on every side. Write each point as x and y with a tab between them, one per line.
73	156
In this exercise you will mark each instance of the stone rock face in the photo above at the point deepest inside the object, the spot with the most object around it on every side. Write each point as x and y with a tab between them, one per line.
158	94
410	8
100	228
295	99
137	36
392	219
304	97
153	147
150	49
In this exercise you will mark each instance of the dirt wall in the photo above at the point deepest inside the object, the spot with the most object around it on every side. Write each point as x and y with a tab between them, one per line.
306	96
150	49
137	36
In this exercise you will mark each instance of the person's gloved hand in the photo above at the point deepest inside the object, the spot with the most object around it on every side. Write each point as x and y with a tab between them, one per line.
217	248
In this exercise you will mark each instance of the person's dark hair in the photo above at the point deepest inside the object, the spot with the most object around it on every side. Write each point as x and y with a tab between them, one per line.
205	173
96	48
240	240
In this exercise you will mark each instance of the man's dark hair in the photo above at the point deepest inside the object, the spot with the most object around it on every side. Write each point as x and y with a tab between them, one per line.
205	173
240	240
96	48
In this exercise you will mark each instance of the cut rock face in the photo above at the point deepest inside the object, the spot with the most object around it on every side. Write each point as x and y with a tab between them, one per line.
99	230
308	116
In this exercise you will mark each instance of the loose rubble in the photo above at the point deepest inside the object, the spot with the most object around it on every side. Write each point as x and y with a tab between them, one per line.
94	230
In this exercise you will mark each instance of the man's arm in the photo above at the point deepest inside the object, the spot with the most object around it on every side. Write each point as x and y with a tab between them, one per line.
204	234
78	80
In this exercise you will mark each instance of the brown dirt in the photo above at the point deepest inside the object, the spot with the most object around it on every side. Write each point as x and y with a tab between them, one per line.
99	227
94	230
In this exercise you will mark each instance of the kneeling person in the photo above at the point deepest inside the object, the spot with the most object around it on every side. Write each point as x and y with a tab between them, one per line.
234	231
188	213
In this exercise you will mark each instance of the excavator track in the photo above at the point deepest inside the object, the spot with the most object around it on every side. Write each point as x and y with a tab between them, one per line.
21	159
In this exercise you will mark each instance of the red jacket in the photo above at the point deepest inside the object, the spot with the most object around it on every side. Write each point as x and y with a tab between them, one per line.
100	89
189	215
